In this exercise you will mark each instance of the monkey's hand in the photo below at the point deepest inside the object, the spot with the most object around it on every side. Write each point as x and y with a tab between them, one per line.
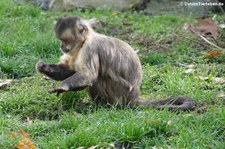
57	90
57	72
42	67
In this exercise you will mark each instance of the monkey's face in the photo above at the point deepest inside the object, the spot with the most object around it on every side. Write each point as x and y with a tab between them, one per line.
65	48
71	31
68	41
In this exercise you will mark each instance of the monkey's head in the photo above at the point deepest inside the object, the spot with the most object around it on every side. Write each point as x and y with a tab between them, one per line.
72	32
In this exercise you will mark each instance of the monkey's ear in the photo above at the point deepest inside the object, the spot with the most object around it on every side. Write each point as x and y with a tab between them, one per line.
59	20
94	23
82	28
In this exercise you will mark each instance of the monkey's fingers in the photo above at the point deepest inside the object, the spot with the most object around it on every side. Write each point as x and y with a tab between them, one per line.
40	66
58	91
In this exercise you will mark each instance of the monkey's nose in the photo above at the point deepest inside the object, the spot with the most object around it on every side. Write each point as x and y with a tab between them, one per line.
65	50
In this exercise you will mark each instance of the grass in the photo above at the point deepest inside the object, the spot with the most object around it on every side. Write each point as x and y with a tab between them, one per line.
72	120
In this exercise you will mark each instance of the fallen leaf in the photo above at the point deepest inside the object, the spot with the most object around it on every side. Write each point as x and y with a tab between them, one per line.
222	26
31	146
169	122
13	135
111	145
20	145
25	143
208	27
189	71
205	27
221	95
186	27
93	147
203	78
185	65
155	147
115	14
190	66
4	83
213	79
218	80
24	134
213	54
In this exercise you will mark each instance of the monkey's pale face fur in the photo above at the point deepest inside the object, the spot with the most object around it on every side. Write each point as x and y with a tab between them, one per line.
67	41
108	67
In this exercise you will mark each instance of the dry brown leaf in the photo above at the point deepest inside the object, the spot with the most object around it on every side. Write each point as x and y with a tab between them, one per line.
213	54
20	145
25	143
24	134
205	27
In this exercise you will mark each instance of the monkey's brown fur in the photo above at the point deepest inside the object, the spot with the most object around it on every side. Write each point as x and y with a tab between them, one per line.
108	67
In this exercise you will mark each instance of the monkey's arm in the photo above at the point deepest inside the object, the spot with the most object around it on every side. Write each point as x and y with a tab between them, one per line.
76	82
81	79
57	72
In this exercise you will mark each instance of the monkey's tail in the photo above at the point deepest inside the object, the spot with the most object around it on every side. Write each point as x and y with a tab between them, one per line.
172	103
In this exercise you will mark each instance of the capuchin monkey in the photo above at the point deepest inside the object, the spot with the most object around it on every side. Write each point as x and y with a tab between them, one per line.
107	67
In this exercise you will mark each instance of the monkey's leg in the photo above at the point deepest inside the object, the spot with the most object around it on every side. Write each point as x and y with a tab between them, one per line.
76	82
57	72
95	95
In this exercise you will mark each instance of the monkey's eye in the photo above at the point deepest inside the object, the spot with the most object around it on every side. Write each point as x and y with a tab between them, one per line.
65	41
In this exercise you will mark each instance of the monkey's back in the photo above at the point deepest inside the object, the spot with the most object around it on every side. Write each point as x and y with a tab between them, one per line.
120	71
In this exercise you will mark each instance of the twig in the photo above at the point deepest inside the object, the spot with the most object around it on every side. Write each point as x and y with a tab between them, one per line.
212	44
